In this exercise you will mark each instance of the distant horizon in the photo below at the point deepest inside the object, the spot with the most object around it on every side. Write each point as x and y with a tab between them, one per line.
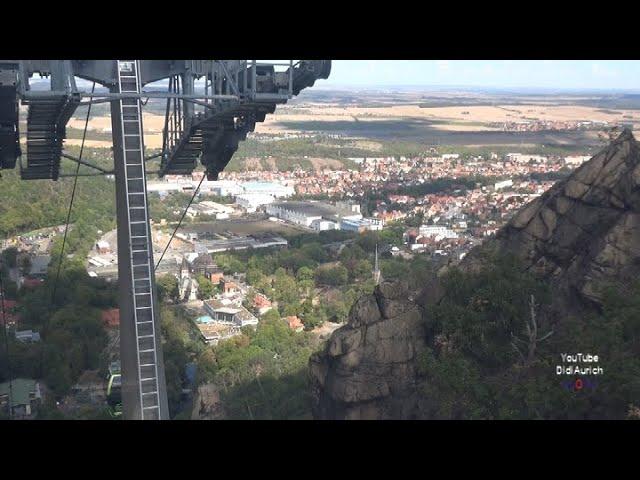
599	77
450	88
559	75
321	85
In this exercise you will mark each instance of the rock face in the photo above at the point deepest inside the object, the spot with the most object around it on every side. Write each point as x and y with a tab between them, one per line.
367	368
581	234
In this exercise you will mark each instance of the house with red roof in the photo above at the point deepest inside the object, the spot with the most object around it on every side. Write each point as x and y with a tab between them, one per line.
9	307
294	323
261	303
111	318
29	282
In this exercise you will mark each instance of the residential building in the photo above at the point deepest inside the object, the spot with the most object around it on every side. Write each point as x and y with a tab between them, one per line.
261	303
525	158
25	397
39	265
27	336
204	265
294	323
237	315
103	247
228	286
111	318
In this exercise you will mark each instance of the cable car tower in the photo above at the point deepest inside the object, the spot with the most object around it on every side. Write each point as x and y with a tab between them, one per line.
203	125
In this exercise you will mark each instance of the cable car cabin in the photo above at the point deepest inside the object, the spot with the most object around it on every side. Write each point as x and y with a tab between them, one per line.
114	395
114	369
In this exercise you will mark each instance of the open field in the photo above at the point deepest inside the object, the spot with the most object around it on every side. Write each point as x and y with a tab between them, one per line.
101	125
438	123
411	121
324	128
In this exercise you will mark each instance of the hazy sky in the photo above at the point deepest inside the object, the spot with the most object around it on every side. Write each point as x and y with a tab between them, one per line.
561	74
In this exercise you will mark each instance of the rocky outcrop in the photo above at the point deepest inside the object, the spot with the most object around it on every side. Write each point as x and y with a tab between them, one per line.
584	232
580	235
368	369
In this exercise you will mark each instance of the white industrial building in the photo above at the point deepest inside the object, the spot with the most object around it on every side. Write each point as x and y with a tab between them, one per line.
576	160
316	215
222	188
503	184
207	207
321	225
276	190
300	213
525	158
251	201
361	224
173	183
438	232
163	187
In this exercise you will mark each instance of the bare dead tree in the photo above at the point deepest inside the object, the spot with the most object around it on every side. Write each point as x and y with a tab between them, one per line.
532	340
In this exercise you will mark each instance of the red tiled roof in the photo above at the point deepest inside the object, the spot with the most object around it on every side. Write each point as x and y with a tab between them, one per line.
294	322
9	306
32	282
261	301
111	317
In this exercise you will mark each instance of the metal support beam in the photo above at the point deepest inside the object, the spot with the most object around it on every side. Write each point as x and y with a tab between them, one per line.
34	94
70	175
87	164
139	337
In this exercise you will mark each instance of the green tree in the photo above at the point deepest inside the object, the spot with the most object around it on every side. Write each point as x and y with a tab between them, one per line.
361	270
25	265
9	257
167	287
254	276
205	287
304	273
332	275
285	289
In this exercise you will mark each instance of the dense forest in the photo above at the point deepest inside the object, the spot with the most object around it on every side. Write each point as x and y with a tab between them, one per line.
30	205
73	338
483	365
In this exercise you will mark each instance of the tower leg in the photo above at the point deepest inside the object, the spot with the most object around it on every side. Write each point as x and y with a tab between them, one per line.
144	393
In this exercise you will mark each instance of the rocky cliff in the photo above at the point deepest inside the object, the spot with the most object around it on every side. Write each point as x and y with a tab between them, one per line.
580	235
584	232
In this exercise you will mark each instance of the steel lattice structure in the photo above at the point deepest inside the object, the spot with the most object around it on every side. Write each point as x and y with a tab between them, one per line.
204	125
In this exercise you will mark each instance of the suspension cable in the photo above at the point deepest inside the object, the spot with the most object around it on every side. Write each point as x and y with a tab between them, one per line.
73	195
6	344
66	228
181	218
